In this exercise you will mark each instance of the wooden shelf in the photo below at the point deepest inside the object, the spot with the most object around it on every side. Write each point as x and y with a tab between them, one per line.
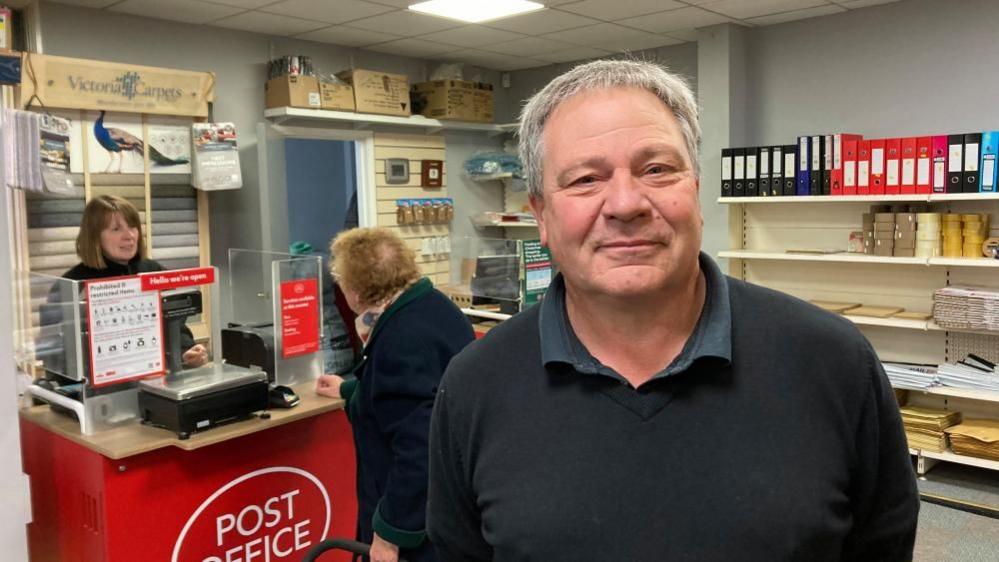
485	314
966	393
282	115
965	262
508	224
847	257
921	197
891	322
948	456
843	257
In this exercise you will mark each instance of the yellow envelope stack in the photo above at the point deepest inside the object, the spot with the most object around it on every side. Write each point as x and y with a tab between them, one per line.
976	438
924	427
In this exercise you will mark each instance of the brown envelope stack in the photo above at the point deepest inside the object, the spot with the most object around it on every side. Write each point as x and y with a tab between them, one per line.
976	438
924	427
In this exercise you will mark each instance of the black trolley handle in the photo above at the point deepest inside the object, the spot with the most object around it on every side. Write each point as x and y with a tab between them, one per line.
337	544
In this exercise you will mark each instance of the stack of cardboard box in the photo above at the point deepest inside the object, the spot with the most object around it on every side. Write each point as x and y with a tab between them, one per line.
905	235
879	233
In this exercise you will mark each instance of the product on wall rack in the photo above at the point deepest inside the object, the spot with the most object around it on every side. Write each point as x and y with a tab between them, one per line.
36	152
494	165
216	157
413	212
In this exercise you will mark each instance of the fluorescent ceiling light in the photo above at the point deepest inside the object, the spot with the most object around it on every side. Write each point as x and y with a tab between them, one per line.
476	11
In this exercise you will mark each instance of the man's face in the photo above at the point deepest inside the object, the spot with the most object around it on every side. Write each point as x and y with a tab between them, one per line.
620	210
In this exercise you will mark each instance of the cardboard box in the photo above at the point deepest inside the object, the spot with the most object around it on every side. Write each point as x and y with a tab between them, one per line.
336	96
378	92
293	91
456	99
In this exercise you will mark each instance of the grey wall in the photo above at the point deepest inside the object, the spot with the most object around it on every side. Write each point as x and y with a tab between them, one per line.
681	59
469	196
239	61
908	68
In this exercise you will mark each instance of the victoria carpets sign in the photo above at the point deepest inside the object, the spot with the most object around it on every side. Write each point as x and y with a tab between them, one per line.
86	84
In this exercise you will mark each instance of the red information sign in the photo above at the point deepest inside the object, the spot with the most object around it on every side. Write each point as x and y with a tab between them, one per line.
161	281
299	317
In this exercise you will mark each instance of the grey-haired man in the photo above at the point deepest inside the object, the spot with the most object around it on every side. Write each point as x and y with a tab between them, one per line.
651	408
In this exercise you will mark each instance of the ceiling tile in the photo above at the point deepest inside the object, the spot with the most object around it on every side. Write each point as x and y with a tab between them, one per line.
416	48
684	34
619	9
856	4
405	23
593	34
741	9
347	36
269	24
528	46
797	15
494	61
245	4
545	21
571	55
638	43
472	36
326	11
187	11
395	3
684	18
87	3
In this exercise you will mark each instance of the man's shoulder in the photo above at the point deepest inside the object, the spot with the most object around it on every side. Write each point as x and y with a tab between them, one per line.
762	305
511	348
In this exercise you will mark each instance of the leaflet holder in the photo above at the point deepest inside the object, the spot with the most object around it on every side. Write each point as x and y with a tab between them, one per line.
275	301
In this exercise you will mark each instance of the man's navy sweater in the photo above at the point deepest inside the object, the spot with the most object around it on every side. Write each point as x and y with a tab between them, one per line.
793	451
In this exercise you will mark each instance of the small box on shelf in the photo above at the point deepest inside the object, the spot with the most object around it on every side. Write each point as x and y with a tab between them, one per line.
378	92
292	91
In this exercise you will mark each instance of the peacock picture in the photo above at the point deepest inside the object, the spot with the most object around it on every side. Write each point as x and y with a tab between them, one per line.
118	141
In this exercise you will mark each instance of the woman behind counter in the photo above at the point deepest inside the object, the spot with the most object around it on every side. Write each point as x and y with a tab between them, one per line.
110	244
410	332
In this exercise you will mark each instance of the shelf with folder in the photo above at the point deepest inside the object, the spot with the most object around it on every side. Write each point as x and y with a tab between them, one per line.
847	257
914	197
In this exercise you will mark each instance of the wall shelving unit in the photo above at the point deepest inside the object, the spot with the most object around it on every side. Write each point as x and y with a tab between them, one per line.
763	229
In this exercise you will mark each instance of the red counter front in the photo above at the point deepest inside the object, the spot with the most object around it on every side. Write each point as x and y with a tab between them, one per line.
263	492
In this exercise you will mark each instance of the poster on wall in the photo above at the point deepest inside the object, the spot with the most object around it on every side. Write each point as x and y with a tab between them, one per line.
536	272
299	317
216	157
125	331
169	145
114	143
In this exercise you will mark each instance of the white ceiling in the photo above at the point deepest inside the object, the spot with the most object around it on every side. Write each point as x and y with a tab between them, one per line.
566	30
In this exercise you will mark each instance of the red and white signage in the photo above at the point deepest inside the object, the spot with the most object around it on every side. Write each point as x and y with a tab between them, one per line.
269	515
125	331
299	317
177	278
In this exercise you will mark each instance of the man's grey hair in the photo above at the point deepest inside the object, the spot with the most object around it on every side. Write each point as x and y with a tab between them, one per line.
668	87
